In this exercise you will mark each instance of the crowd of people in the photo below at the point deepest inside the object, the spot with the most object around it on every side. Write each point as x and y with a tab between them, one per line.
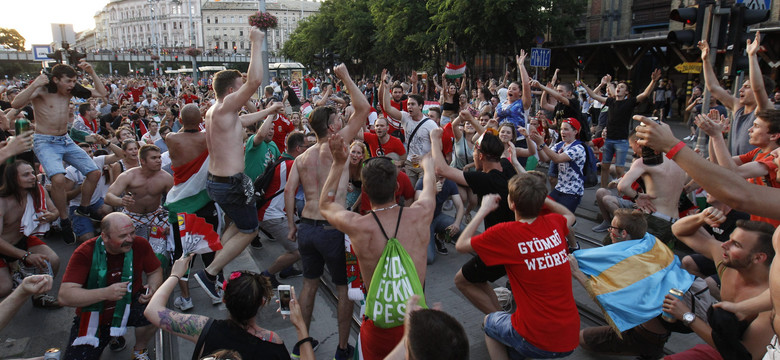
332	167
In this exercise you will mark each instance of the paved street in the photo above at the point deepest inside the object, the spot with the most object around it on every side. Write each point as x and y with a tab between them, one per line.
33	330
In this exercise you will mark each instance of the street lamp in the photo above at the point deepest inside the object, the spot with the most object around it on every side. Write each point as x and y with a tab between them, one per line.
156	30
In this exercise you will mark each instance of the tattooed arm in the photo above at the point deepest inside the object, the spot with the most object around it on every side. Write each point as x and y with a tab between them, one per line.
182	325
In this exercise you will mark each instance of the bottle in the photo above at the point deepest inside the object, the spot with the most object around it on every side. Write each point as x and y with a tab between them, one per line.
22	125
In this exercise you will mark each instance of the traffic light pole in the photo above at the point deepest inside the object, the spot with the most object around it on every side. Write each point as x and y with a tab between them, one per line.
266	72
712	20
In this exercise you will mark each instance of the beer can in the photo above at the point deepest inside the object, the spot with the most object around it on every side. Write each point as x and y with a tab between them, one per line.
52	354
678	294
22	125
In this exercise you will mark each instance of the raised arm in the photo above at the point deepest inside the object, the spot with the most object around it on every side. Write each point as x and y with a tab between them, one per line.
99	89
385	96
654	77
25	96
489	203
690	231
756	80
359	103
591	93
335	212
711	80
441	166
254	76
252	118
525	79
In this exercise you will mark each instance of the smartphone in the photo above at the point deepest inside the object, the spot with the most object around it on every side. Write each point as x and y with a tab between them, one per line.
284	299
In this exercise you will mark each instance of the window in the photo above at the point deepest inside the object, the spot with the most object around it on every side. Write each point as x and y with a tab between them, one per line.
216	19
174	26
241	33
232	19
165	26
225	44
242	45
208	20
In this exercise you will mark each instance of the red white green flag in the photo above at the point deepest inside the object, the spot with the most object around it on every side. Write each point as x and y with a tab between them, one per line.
452	71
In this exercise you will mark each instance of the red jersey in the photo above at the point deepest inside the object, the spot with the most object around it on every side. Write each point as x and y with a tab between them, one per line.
282	127
770	179
536	260
447	139
189	98
137	92
405	189
393	145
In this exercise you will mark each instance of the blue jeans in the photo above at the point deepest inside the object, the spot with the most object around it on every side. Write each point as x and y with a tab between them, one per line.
568	200
52	150
82	224
236	200
439	223
498	326
617	148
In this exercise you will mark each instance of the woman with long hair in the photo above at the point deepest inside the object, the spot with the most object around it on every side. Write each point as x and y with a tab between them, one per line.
357	154
449	99
245	294
129	161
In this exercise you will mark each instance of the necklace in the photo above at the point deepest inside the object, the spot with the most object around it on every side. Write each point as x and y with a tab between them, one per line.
385	208
191	130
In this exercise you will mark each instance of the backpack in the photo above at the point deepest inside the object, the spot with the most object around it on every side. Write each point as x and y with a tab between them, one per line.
264	180
589	172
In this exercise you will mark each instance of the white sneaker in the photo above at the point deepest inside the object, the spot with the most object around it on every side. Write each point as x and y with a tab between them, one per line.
688	138
182	303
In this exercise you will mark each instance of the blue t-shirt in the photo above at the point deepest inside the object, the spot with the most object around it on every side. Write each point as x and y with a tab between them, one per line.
513	112
448	189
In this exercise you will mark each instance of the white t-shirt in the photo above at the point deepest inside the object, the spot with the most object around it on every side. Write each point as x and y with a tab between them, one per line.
72	174
421	144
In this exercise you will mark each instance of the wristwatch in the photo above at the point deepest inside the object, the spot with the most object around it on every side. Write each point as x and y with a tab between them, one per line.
688	318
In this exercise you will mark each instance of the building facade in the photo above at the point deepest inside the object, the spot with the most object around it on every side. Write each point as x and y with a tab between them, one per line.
226	23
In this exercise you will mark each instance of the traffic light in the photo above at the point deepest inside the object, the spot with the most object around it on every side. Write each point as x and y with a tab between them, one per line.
580	63
175	57
56	56
74	57
234	49
741	18
689	16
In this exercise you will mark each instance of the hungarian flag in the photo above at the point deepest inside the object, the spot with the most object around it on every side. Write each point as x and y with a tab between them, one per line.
197	236
452	71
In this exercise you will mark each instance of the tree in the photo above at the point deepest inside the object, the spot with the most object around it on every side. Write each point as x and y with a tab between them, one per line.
12	38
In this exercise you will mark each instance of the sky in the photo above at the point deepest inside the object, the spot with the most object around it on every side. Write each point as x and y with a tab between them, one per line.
33	18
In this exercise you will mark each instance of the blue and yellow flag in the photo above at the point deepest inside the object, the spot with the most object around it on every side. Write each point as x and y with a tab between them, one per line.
629	279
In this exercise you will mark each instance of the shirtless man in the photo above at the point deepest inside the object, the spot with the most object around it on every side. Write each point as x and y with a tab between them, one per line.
663	184
52	144
19	182
227	184
369	233
743	265
139	190
320	243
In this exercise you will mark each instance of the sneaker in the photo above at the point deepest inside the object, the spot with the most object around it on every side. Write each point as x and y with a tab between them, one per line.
220	281
600	228
68	236
296	352
45	301
505	299
274	282
86	212
344	354
117	344
290	272
256	244
440	248
208	286
183	303
688	138
141	355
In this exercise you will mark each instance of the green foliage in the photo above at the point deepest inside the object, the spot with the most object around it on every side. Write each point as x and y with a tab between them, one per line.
12	38
402	35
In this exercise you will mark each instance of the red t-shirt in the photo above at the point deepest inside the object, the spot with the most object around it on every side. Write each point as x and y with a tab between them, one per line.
768	161
144	261
404	189
393	145
447	139
282	127
189	98
599	143
537	264
137	92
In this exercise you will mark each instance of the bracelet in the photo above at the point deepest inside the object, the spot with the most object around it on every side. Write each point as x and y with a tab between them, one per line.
635	196
178	278
301	341
24	258
675	150
542	145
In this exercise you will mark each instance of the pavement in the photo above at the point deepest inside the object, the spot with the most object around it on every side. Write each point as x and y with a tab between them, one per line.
32	331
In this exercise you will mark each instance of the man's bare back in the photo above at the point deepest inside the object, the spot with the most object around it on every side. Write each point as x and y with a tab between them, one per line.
663	182
313	167
185	146
225	139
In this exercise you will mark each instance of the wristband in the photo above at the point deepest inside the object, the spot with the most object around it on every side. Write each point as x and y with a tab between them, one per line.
24	257
301	341
675	150
542	145
178	278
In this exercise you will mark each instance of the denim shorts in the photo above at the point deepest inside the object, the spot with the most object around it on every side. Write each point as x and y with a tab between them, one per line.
236	200
498	326
322	245
82	224
570	201
52	150
278	229
617	148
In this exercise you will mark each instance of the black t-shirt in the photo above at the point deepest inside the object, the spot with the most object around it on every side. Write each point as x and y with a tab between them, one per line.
493	182
722	232
227	335
619	120
292	97
4	105
573	110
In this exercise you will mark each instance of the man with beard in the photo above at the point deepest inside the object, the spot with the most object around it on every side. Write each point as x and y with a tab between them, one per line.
139	190
382	144
743	266
52	145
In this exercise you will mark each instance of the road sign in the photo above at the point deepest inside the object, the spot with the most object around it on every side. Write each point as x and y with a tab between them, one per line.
757	4
540	57
40	51
689	67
